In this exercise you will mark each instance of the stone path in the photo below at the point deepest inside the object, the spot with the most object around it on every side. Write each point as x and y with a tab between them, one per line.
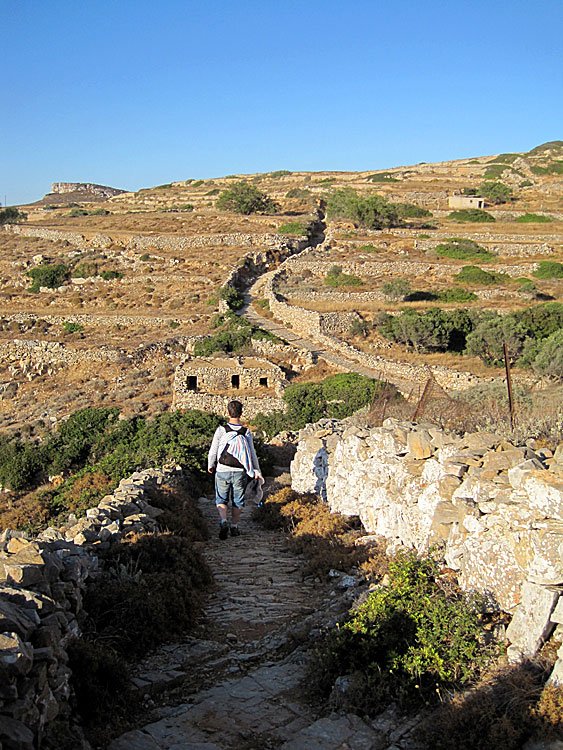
239	686
284	333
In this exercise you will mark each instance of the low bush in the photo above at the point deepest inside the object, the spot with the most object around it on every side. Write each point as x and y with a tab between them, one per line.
475	215
382	177
110	275
337	278
409	642
75	212
337	396
72	327
232	297
549	269
396	289
51	275
151	591
84	270
411	211
235	336
280	173
533	218
293	227
476	275
462	249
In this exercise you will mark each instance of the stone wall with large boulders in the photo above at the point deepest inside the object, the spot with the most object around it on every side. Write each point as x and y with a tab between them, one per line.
492	508
42	581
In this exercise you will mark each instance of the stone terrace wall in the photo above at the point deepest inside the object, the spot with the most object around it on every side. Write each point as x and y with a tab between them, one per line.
493	508
41	586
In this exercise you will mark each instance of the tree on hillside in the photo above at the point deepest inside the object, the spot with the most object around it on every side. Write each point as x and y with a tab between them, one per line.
373	212
244	198
496	192
11	215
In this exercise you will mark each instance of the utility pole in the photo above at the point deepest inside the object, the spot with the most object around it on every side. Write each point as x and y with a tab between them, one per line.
509	386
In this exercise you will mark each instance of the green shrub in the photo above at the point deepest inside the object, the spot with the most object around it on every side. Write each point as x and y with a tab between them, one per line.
526	183
337	278
165	186
496	192
145	257
432	330
11	215
411	211
100	212
213	191
337	396
533	219
235	336
556	167
78	212
476	275
84	270
396	289
493	171
372	212
198	183
110	275
232	297
382	177
549	358
72	327
462	249
301	193
280	173
368	249
51	275
293	227
408	642
19	464
471	215
263	303
187	207
549	269
244	198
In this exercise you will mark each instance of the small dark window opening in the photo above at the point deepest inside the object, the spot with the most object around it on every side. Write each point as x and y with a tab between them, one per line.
235	381
192	382
264	382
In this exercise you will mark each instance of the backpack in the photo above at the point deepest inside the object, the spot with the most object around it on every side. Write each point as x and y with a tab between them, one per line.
226	458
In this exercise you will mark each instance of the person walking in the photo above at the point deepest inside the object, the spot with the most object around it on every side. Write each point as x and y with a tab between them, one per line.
233	458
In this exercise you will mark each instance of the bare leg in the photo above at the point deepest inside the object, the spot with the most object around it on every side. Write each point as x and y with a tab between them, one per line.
237	512
222	510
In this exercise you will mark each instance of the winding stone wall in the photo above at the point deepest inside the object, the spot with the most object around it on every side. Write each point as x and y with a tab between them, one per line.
42	580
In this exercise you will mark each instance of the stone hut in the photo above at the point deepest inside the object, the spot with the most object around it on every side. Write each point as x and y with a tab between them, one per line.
209	383
466	201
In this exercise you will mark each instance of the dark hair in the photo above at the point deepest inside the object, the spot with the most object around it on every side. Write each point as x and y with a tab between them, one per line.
234	408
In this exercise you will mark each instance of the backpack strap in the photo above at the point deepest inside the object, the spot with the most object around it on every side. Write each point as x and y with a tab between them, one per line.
242	431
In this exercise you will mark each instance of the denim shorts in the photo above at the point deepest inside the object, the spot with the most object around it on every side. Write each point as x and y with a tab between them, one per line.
230	485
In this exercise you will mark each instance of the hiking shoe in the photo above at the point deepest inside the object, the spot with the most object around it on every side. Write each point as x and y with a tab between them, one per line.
235	531
223	530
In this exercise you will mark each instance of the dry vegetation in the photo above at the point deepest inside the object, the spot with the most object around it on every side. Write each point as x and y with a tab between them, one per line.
160	297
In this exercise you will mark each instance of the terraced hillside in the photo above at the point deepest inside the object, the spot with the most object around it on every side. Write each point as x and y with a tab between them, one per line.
140	273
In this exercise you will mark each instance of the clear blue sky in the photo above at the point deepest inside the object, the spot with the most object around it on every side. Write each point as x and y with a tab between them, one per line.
132	93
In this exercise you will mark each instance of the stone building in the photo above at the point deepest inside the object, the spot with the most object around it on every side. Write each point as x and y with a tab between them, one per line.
466	201
209	383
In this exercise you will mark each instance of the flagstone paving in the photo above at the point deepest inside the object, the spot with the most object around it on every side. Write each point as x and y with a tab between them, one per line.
239	685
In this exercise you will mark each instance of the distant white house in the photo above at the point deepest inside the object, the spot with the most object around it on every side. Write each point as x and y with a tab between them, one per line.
466	201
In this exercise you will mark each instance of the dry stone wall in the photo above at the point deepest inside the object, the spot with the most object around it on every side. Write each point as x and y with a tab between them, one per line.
493	508
42	581
252	405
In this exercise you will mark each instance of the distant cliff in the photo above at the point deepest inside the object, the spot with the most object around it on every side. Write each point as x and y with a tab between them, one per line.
100	191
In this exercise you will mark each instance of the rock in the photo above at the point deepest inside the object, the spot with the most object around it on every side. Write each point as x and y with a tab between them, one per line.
517	474
531	623
14	735
16	656
419	444
348	731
